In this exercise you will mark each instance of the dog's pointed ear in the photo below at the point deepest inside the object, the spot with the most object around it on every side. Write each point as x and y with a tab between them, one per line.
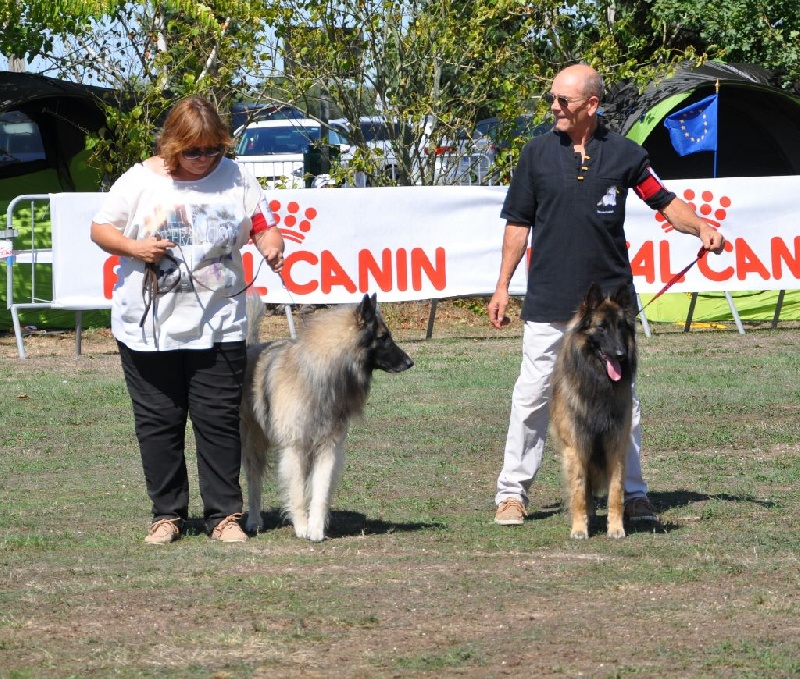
623	296
594	297
367	306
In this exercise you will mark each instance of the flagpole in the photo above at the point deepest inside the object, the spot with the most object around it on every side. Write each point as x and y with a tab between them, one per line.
734	312
716	130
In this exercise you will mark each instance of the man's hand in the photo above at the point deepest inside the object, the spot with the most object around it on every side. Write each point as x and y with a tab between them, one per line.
497	309
712	239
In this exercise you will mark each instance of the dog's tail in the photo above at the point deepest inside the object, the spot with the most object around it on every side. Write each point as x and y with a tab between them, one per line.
255	312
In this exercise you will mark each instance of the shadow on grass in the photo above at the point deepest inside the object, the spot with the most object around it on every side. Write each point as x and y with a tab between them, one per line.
344	523
545	512
341	524
681	498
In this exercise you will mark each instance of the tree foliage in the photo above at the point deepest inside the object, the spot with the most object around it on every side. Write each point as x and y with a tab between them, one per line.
146	53
436	65
763	32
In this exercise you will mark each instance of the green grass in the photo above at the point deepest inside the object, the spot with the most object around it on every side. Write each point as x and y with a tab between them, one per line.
415	579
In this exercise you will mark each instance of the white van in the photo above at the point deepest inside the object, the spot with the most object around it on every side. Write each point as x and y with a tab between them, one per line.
273	149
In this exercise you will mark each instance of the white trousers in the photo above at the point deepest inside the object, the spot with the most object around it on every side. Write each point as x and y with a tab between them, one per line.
530	417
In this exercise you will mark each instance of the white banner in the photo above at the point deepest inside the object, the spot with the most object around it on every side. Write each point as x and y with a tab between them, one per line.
413	243
80	268
759	217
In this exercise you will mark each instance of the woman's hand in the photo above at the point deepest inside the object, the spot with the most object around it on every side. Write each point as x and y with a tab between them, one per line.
151	250
274	257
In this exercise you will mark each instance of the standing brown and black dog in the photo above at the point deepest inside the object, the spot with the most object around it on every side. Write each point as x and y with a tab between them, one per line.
591	405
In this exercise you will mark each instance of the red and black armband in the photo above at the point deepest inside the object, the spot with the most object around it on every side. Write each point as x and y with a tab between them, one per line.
263	218
652	191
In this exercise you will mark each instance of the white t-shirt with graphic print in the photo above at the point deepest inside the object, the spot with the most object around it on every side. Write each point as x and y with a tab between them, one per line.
209	220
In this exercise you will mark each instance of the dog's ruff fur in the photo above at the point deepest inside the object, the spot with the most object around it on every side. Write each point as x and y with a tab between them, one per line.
592	403
299	399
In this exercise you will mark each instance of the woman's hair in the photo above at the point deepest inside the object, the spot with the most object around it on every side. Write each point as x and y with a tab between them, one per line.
193	121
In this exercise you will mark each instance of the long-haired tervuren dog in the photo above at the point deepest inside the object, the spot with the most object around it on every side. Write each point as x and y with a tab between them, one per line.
591	405
299	399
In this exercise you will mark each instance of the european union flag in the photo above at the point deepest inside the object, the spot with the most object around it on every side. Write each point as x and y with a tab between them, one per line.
694	128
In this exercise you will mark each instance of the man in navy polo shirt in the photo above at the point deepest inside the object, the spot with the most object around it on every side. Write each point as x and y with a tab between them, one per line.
570	187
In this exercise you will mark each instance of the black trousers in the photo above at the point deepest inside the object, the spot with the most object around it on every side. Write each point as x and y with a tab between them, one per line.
205	385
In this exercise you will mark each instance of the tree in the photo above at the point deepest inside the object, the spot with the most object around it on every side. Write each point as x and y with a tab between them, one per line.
440	66
763	32
146	53
434	66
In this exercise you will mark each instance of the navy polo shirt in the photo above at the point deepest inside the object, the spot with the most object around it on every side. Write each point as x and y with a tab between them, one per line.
577	211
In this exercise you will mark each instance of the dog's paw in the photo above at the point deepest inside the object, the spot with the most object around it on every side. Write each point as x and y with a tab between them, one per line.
254	525
616	533
316	536
579	534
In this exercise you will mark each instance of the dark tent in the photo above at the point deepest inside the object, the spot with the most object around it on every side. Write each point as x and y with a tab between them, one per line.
62	113
43	127
758	135
758	132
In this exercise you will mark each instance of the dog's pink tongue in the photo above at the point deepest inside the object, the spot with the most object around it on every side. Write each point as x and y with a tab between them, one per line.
614	369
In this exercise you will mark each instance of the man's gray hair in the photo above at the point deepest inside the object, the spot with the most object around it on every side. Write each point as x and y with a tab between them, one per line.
594	86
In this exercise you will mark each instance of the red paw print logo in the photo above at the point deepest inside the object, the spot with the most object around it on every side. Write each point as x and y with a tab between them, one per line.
292	223
712	214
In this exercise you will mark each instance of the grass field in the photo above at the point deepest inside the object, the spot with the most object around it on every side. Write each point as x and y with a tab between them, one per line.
415	579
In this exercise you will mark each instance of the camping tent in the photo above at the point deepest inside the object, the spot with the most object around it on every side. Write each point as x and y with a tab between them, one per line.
43	128
758	135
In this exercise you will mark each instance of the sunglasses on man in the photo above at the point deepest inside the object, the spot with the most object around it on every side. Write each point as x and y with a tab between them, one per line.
196	153
563	101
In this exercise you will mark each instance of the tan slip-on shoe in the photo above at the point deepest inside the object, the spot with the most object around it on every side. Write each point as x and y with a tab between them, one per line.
163	531
229	530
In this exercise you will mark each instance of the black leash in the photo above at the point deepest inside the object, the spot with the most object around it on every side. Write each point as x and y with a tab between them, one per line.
255	275
151	291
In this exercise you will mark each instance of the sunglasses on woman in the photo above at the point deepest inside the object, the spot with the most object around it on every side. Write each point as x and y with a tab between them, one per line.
563	101
196	152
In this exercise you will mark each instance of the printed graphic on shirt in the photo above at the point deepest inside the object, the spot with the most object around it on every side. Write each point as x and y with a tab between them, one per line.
204	236
608	202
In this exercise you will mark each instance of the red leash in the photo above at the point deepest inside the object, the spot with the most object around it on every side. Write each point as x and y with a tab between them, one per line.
675	278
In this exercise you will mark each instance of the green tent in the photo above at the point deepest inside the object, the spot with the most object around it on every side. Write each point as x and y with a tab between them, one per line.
758	135
43	128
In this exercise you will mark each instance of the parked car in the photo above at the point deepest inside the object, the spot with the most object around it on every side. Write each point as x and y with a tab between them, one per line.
493	134
274	150
242	114
20	141
380	137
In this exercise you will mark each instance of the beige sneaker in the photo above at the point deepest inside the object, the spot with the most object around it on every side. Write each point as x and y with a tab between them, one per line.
510	512
229	530
163	531
640	509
